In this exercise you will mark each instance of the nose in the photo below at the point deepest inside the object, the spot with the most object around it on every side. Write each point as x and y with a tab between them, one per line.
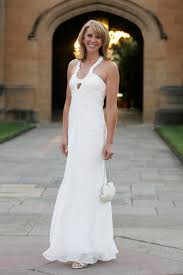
93	39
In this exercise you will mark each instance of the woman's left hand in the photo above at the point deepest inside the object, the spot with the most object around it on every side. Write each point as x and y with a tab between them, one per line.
107	151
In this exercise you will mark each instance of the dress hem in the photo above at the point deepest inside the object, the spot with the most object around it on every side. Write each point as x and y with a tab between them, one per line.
52	258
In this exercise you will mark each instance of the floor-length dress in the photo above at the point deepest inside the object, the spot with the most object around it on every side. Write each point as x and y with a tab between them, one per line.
82	226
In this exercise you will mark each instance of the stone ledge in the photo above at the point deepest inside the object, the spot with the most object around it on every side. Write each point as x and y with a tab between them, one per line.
174	88
2	88
169	116
22	114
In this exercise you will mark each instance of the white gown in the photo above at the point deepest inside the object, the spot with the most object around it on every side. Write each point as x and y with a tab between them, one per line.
82	226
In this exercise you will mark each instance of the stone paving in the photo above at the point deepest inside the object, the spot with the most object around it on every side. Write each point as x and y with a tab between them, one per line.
147	209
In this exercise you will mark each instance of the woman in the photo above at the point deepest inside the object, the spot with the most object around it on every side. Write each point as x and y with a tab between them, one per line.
82	227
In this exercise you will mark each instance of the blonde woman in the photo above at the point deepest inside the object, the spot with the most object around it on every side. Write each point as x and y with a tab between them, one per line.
82	226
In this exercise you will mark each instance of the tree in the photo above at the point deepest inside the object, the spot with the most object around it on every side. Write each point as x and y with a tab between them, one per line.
126	55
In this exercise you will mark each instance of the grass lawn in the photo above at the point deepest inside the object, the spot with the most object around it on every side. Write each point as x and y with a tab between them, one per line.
9	130
173	135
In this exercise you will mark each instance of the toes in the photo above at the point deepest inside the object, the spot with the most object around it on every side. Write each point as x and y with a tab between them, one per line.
78	265
75	264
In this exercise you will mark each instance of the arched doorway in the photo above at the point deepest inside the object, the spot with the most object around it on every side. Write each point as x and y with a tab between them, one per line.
148	23
63	53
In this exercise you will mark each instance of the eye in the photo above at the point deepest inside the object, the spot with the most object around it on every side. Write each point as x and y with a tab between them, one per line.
98	36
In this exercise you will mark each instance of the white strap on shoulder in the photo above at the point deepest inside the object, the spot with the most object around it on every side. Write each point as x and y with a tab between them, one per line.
77	67
99	60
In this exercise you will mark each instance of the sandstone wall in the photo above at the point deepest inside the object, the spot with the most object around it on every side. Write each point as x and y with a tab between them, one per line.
2	97
22	57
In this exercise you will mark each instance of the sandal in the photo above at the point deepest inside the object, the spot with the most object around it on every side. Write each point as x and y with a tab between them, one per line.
78	265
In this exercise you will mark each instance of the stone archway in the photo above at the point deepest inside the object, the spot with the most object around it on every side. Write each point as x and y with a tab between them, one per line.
154	47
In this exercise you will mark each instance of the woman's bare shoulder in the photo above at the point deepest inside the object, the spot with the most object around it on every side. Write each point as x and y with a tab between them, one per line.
111	65
110	68
73	63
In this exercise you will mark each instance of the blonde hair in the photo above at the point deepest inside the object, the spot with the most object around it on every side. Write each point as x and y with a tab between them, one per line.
100	30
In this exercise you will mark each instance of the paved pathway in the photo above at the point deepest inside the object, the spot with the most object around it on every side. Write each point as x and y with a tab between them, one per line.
147	210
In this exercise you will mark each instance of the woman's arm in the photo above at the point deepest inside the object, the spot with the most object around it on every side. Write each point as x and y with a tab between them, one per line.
66	110
64	142
112	88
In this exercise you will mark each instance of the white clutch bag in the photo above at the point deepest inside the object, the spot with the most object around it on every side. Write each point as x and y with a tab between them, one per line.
108	189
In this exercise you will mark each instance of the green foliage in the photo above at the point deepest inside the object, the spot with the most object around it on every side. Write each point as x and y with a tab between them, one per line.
126	55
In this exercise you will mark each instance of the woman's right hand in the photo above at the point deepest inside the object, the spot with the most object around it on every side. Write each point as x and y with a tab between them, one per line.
64	146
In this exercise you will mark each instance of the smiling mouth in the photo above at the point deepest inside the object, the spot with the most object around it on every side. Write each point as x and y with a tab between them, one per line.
91	45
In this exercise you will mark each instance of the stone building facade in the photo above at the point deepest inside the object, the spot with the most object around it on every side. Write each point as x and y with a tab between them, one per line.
26	33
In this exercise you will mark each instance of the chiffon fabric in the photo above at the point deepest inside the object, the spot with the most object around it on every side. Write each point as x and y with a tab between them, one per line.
82	227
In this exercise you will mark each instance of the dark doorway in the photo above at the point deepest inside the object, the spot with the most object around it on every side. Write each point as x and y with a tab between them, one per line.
63	48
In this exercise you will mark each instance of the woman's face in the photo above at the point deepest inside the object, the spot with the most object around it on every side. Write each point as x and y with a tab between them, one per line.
91	40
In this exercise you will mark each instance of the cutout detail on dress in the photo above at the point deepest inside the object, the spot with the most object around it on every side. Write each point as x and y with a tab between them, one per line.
78	85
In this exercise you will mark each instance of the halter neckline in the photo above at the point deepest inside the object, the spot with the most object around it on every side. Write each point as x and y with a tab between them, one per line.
91	68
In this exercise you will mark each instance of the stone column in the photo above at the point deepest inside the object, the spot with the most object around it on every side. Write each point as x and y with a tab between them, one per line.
2	19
